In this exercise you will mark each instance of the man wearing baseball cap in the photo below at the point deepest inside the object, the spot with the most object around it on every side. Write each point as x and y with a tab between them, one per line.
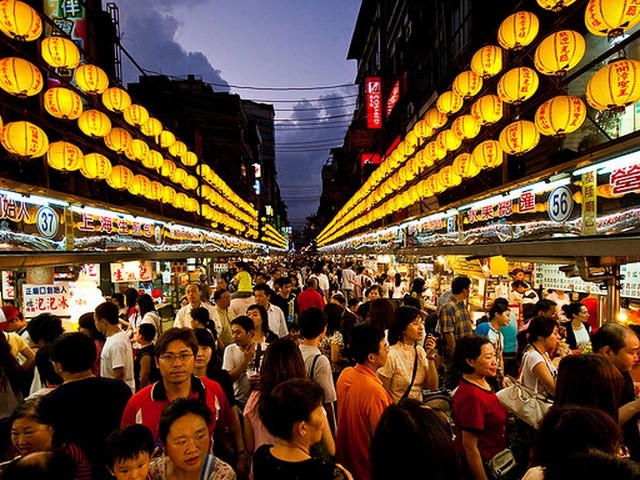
19	347
17	323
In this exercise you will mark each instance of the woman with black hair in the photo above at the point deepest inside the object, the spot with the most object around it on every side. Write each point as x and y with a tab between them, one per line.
578	328
11	377
87	325
146	313
417	289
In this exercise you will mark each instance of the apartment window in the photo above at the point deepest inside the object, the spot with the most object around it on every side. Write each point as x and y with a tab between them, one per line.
461	28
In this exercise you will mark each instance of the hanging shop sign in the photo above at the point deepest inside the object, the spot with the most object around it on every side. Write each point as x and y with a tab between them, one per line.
373	99
435	230
137	271
54	299
550	277
589	203
394	96
8	285
630	283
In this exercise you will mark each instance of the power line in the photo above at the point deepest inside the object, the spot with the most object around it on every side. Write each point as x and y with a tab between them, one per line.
338	97
346	105
314	119
307	142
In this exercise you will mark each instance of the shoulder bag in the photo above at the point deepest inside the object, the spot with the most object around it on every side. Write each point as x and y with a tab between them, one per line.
413	375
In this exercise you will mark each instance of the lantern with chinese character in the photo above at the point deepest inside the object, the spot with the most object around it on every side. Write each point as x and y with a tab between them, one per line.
20	77
434	118
153	160
487	109
448	178
435	151
615	86
64	156
447	141
168	168
423	188
62	103
135	115
555	5
487	154
405	149
167	139
519	137
118	140
60	52
152	127
178	149
467	84
559	52
140	185
465	127
449	103
434	184
116	99
190	159
560	116
120	177
464	167
95	166
156	190
91	79
411	139
518	30
487	62
178	176
191	183
517	85
168	194
94	123
19	21
181	201
137	150
422	129
611	18
24	140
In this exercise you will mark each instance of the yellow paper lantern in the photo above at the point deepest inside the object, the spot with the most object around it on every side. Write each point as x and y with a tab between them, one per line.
423	159
611	18
168	194
20	77
448	178
411	139
178	149
449	102
95	166
435	151
156	190
190	159
138	150
487	62
19	21
423	129
64	156
60	52
518	30
487	109
194	206
559	53
120	178
465	127
152	127
434	118
91	79
405	149
167	139
519	137
116	99
140	185
24	140
118	139
560	116
615	85
178	176
168	168
448	141
434	184
423	188
555	5
62	103
487	154
153	160
94	123
181	201
464	167
191	183
467	84
135	115
517	85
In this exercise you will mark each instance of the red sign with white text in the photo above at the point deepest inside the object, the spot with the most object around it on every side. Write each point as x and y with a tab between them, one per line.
373	86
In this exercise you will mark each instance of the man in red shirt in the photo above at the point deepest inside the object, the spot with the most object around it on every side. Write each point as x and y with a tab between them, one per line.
310	297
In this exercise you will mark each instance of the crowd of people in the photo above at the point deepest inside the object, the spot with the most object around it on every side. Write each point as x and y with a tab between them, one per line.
319	372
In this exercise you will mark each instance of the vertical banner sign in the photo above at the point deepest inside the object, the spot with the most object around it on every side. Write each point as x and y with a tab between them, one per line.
589	203
373	98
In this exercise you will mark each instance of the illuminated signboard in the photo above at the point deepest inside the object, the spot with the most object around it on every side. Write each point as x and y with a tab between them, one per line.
373	86
370	158
394	96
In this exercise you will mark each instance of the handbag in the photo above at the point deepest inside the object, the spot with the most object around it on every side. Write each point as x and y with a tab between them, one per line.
413	375
501	464
526	404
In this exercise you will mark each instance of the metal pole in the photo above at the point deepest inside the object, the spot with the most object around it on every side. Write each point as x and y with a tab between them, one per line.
613	294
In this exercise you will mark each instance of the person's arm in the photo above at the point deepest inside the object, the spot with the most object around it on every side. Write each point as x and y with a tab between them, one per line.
431	371
249	436
30	358
450	346
239	369
327	438
627	411
118	372
145	370
474	459
335	353
542	373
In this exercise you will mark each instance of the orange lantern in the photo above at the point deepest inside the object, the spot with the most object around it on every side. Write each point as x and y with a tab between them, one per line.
559	52
20	77
138	150
120	178
156	190
560	116
518	30
487	62
178	149
152	127
555	5
19	21
64	156
435	151
24	140
422	129
464	167
434	118
167	139
118	139
116	99
518	85
487	110
91	79
611	18
168	194
423	159
467	84
449	103
447	141
135	115
615	86
95	166
448	178
60	52
94	123
140	185
487	154
62	103
519	137
168	168
153	160
190	159
465	127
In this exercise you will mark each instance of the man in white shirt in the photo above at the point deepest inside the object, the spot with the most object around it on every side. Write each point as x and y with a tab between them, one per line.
116	359
239	358
223	314
323	281
348	279
277	323
193	295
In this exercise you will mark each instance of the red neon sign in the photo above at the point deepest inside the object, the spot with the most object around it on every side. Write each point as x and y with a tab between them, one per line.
373	99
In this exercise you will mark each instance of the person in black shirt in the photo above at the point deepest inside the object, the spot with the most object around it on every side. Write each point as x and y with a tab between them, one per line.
285	299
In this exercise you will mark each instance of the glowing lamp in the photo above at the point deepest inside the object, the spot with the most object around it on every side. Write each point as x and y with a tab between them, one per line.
449	103
95	166
434	184
191	182
116	99
487	154
19	21
60	52
434	118
91	79
517	85
448	178
64	156
140	185
422	129
181	201
560	116
62	103
555	5
135	115
24	140
423	159
519	137
487	110
120	178
168	168
411	139
190	159
467	84
168	194
20	77
464	167
178	149
406	149
156	190
465	127
615	85
435	151
152	127
153	160
487	62
192	205
447	141
178	176
118	139
611	18
423	188
137	150
167	139
559	53
518	30
94	123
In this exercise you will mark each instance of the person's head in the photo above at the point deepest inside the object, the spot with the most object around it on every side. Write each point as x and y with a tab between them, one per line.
106	314
418	285
87	325
338	299
282	361
261	278
407	326
260	317
118	299
590	381
381	311
222	298
293	411
262	294
146	333
45	465
373	292
546	308
312	323
199	317
353	304
129	451
545	330
397	279
242	328
500	313
333	312
206	347
193	294
130	296
420	436
410	301
284	286
502	301
617	343
312	283
518	274
73	353
46	369
593	464
184	432
519	286
368	346
145	304
44	328
15	320
30	432
242	266
461	286
475	354
221	284
175	353
575	310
